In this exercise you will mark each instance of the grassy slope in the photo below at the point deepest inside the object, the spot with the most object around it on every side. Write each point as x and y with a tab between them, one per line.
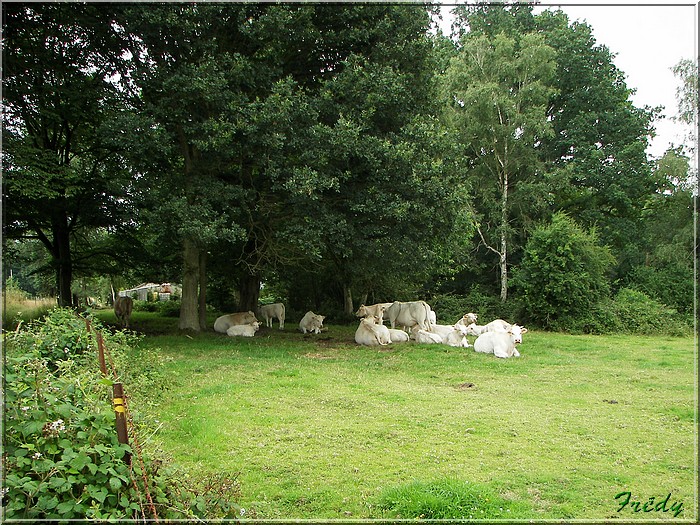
319	427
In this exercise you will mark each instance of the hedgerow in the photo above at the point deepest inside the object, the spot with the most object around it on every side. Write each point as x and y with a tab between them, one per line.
61	454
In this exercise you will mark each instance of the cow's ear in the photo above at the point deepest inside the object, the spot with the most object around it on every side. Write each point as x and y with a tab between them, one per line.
523	330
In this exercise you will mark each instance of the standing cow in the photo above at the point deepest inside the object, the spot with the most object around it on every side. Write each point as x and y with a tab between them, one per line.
269	312
123	307
409	314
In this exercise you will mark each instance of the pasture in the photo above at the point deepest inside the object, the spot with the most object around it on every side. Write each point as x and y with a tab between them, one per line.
315	426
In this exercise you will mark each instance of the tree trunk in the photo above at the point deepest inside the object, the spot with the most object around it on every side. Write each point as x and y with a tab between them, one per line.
189	302
347	300
63	260
203	289
249	289
504	239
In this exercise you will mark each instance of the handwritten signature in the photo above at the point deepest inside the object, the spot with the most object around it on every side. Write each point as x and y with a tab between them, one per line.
651	505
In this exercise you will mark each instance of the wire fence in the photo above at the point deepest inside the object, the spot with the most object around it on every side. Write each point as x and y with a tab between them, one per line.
125	428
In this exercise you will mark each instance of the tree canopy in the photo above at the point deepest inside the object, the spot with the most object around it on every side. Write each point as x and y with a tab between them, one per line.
332	153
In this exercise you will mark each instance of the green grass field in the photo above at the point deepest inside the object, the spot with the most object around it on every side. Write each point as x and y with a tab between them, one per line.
319	427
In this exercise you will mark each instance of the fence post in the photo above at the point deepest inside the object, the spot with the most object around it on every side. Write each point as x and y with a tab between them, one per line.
120	412
101	354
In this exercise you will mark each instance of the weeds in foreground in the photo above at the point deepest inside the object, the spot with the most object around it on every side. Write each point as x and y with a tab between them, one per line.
449	499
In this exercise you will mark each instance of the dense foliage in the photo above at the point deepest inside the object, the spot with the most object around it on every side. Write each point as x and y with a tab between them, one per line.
563	273
61	455
334	154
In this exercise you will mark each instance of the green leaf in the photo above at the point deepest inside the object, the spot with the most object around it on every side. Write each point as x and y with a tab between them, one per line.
115	483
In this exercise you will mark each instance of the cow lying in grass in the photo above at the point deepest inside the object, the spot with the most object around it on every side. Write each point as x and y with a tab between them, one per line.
223	323
311	322
371	332
497	325
243	330
500	344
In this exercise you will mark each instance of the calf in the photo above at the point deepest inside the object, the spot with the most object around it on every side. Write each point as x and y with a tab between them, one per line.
423	336
398	336
311	322
269	312
498	325
243	330
457	336
371	333
123	307
223	323
375	310
500	344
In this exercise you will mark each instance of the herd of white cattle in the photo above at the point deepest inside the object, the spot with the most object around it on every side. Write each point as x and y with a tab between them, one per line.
413	320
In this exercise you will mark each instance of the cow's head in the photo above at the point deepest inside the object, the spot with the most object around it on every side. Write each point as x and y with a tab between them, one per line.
361	311
370	320
461	329
469	318
516	333
471	329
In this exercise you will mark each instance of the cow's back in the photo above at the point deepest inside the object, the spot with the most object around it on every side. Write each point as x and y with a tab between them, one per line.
486	342
409	314
272	311
226	321
499	343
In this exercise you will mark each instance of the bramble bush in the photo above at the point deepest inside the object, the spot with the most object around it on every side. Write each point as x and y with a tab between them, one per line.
563	273
61	455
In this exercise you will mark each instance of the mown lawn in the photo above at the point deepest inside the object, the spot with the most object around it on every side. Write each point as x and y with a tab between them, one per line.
318	427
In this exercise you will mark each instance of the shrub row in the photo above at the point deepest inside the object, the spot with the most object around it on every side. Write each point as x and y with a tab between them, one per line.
628	312
60	449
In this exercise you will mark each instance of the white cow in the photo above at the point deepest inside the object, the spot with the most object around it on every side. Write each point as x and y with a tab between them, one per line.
432	317
468	319
311	322
269	312
371	333
223	323
440	329
423	336
453	335
497	325
398	336
243	330
374	310
457	336
409	314
500	344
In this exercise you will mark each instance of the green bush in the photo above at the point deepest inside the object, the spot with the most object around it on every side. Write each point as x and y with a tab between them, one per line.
62	457
563	274
639	314
145	306
629	312
450	308
671	284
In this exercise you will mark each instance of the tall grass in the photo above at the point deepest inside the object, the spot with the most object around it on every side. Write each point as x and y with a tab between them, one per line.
318	427
18	307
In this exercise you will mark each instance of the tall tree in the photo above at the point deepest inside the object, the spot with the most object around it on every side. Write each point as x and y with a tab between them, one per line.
597	155
63	174
498	90
251	119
